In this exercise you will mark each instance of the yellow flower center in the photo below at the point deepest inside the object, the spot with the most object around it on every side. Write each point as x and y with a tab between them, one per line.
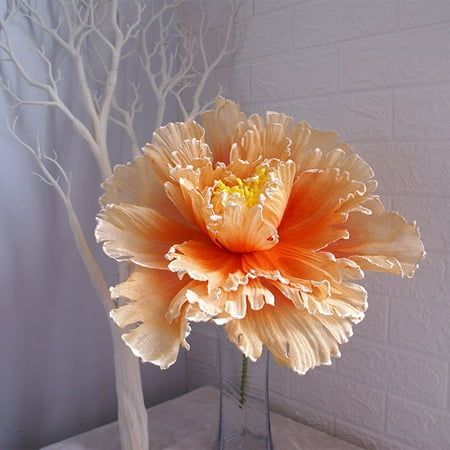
249	189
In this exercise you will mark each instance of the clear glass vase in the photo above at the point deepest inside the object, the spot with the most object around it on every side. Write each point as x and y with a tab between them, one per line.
244	419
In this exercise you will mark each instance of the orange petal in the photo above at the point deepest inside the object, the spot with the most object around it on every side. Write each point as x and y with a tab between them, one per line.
141	235
204	261
347	300
316	149
254	294
188	200
167	147
277	197
319	202
341	157
135	183
153	338
296	264
200	305
262	140
280	118
295	338
221	127
241	229
381	242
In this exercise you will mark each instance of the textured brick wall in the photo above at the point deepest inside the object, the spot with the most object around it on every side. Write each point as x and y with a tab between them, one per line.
379	73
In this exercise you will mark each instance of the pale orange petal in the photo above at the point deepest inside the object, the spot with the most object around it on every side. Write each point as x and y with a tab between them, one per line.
262	141
381	242
135	183
167	146
319	202
188	200
205	261
141	235
221	125
278	194
296	264
295	338
241	229
341	157
348	300
200	305
191	152
280	118
153	338
317	149
254	294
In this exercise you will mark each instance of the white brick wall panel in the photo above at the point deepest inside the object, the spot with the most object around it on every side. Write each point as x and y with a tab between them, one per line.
315	389
264	35
263	107
420	427
322	22
395	60
375	324
391	99
233	79
429	285
421	326
358	116
414	168
401	372
262	6
354	402
423	12
218	15
420	114
359	403
432	214
300	74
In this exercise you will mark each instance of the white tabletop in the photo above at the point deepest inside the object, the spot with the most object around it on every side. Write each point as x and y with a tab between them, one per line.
189	422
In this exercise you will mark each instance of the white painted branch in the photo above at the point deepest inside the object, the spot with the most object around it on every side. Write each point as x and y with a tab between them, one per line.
167	72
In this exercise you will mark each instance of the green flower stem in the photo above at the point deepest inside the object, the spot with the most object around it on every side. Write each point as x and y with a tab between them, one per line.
243	385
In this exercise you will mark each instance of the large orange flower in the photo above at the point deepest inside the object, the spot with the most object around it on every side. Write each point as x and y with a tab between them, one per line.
259	224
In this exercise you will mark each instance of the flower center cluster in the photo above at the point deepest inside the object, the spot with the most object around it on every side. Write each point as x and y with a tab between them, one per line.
250	189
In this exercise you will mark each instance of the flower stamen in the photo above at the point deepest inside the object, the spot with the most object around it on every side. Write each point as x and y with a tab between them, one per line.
249	189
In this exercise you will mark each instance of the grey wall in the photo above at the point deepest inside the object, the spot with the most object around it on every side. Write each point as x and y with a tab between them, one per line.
378	71
56	368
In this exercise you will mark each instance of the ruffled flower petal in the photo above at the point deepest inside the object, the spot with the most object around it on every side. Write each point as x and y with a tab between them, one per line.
221	125
297	264
188	200
135	183
348	300
204	261
295	337
167	148
340	157
277	195
317	149
259	224
240	229
381	242
255	294
149	293
319	202
141	235
261	140
196	303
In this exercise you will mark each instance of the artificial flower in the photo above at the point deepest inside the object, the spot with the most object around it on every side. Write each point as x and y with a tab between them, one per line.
259	224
